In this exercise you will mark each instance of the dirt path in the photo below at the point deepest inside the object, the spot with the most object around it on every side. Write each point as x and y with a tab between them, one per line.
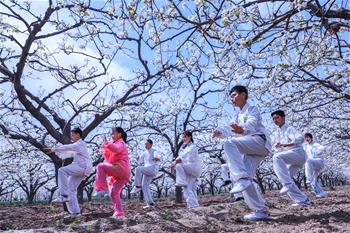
218	214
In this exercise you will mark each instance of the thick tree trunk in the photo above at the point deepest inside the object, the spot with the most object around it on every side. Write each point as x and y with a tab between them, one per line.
159	193
305	184
30	198
52	192
141	195
212	190
178	194
80	192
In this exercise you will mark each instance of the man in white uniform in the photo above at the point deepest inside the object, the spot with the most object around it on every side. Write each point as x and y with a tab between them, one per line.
70	176
248	146
146	173
314	165
289	158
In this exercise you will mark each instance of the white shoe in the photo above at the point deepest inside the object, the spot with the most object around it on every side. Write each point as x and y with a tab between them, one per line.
241	185
285	189
100	193
118	215
303	203
61	199
135	190
74	215
322	195
148	207
257	215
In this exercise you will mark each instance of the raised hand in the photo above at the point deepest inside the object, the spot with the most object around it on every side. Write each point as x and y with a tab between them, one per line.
237	129
216	134
48	150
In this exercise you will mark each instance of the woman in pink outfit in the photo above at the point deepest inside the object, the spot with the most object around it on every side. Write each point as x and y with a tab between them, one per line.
116	165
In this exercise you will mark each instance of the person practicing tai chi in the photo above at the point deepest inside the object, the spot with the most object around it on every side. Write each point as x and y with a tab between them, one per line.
247	145
289	158
117	166
70	176
188	166
145	174
314	165
225	174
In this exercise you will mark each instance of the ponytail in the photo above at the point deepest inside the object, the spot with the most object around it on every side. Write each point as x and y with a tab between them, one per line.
121	130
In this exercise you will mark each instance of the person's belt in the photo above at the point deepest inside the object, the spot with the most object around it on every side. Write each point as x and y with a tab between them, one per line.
115	165
260	135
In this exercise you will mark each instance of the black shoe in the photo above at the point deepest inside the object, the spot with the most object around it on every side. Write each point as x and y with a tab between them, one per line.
239	199
227	182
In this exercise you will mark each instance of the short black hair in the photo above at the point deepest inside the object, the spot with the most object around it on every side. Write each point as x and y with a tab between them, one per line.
150	141
78	131
239	89
189	134
278	112
309	135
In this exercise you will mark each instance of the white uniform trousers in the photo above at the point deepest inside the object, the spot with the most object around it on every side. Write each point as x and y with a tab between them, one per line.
244	155
225	174
143	178
313	168
187	175
69	178
286	164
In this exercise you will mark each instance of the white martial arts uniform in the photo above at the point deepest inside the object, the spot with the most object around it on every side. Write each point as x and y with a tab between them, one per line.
145	174
187	173
314	166
70	176
244	152
225	174
287	161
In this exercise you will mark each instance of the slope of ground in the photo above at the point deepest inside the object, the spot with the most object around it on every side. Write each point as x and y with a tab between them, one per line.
217	214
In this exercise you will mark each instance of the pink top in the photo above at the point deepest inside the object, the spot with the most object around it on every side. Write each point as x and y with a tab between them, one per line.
117	154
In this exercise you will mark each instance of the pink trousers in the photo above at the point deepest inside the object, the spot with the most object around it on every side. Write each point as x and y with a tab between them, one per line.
107	169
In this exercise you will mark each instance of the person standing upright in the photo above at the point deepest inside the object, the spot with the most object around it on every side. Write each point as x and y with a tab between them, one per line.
314	165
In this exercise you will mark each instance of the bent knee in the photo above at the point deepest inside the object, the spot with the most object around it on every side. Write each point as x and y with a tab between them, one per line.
99	166
230	143
62	170
277	157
